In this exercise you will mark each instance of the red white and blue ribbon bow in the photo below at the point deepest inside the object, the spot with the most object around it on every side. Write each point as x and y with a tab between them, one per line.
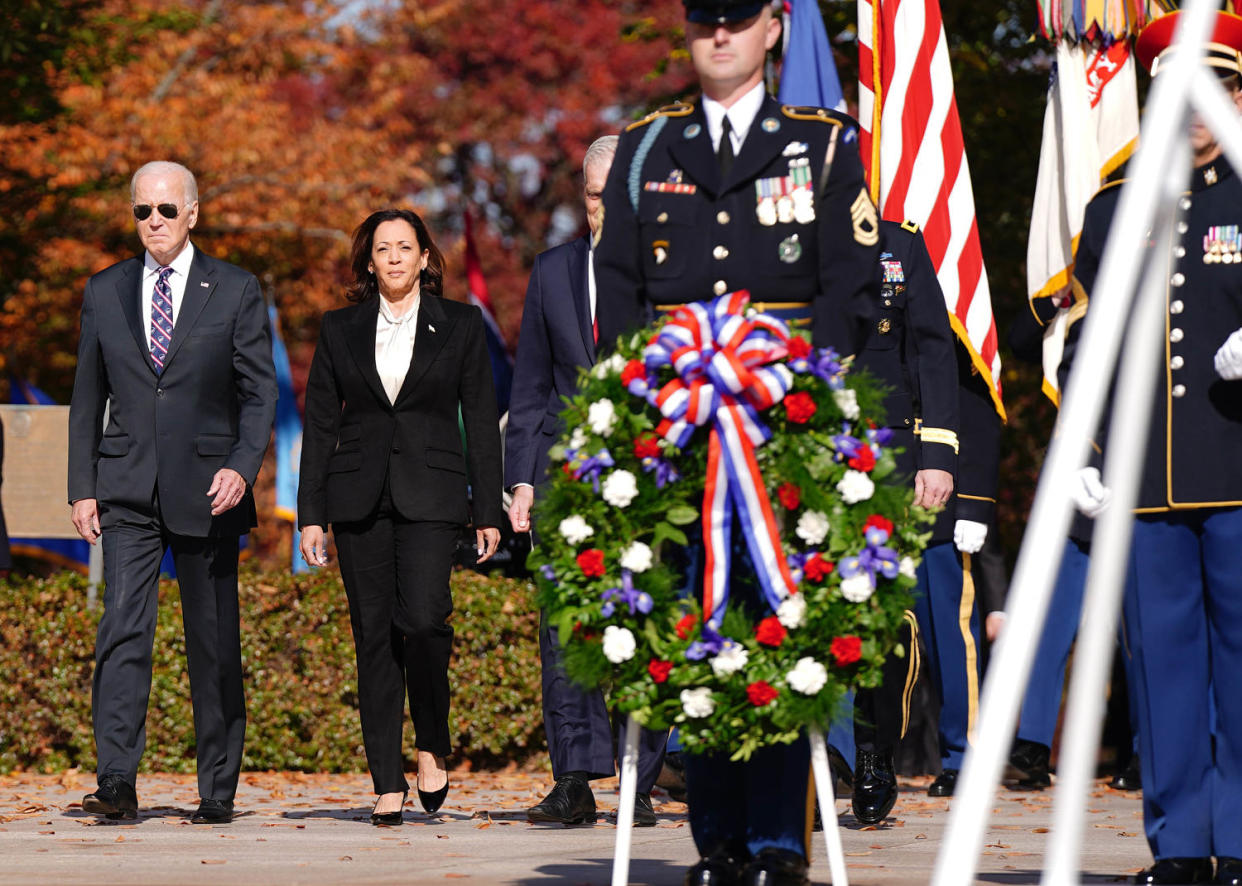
728	371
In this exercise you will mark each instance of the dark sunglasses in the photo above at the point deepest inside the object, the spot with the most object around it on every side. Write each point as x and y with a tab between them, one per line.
142	211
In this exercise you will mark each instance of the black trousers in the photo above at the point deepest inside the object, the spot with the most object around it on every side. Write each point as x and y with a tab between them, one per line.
396	575
133	546
882	714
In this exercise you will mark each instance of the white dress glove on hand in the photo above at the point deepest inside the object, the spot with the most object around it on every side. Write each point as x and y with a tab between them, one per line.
1089	493
1229	357
969	536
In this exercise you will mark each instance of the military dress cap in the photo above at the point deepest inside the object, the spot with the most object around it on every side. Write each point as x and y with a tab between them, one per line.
1223	51
720	12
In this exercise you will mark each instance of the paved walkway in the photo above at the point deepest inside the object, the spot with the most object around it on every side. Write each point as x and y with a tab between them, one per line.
295	828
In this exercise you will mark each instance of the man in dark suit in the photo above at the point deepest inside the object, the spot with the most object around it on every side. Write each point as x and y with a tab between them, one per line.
175	353
557	340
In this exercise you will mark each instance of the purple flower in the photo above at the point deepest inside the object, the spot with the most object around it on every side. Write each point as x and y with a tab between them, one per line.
591	468
665	472
710	644
638	601
547	572
797	565
846	445
879	437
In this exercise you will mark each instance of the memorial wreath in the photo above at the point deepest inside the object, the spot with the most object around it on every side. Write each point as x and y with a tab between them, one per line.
716	441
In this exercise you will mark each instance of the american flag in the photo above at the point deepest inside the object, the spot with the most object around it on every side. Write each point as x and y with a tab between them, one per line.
912	149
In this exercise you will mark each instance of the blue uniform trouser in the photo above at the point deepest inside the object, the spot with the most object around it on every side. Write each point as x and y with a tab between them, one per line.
1183	619
949	620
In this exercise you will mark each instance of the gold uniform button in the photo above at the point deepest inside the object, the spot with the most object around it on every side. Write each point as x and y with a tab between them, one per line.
1179	391
1176	307
1177	362
720	288
720	252
722	217
662	217
1176	335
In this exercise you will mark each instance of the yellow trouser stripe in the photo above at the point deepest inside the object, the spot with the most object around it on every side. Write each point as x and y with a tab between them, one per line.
964	610
912	670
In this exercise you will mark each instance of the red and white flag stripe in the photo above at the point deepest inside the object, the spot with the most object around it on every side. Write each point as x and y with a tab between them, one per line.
912	149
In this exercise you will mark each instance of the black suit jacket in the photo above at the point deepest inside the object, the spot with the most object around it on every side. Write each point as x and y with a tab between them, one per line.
212	407
355	439
557	339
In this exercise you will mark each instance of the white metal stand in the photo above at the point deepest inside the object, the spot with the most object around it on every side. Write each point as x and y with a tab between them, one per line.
827	807
625	808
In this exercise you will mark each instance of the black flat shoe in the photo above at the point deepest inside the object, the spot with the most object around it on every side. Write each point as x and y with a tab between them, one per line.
115	798
875	787
213	812
1228	871
389	819
569	802
944	785
1176	870
1031	759
433	800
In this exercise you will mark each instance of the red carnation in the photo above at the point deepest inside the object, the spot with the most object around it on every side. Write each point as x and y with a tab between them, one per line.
879	522
634	369
591	562
799	348
770	631
659	669
846	650
790	495
817	568
760	693
800	407
646	445
686	625
864	460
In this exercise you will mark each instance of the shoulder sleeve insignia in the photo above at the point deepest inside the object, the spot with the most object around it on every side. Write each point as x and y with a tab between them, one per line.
823	115
866	227
677	109
910	226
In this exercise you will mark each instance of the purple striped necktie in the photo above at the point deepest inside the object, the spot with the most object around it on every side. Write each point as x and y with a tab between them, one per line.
161	319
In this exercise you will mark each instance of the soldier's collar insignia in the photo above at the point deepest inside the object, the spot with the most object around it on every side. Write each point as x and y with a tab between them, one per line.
770	124
793	149
692	130
1209	175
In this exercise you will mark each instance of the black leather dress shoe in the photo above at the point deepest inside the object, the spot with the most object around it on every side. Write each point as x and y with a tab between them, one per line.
115	798
389	819
776	867
644	812
1228	871
875	787
1177	870
1129	779
1032	760
944	785
723	867
569	802
213	812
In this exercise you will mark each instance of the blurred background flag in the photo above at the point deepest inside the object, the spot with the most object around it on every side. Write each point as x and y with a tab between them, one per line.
288	441
502	361
912	150
809	73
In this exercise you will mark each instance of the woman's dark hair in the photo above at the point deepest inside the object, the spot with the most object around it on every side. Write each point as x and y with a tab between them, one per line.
364	285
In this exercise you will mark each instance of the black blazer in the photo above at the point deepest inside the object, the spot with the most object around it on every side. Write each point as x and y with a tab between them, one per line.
355	439
211	408
557	339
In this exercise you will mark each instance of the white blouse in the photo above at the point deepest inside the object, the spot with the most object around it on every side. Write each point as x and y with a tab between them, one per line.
394	345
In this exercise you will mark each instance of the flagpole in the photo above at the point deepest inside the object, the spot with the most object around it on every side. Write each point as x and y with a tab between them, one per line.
625	806
827	808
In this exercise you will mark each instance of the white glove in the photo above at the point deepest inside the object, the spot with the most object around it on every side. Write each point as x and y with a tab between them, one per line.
969	536
1089	493
1229	357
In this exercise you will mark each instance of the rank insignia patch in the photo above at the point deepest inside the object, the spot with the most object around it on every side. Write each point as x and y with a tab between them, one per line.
866	227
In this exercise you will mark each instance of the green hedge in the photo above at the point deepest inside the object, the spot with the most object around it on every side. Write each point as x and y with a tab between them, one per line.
301	677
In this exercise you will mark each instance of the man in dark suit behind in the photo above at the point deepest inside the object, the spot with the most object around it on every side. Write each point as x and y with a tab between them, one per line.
558	337
175	352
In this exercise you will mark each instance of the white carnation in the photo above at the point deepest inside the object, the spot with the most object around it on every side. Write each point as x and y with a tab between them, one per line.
731	659
812	527
855	486
618	644
792	611
908	567
847	402
578	439
857	588
612	366
807	677
575	530
601	416
636	558
619	488
697	702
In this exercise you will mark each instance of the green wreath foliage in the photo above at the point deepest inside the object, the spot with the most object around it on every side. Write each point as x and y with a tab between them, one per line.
622	499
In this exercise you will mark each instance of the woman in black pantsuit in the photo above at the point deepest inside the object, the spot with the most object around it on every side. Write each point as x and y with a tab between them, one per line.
382	462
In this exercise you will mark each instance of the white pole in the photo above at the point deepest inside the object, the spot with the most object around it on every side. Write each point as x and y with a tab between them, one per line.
625	809
1084	401
95	566
827	807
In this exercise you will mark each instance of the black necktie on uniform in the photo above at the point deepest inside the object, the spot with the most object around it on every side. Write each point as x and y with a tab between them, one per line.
724	153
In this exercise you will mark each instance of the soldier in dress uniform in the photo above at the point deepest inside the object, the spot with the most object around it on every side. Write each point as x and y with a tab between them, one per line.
1183	598
735	191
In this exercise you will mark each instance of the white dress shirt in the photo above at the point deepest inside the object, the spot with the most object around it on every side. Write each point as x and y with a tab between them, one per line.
394	345
741	115
176	282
